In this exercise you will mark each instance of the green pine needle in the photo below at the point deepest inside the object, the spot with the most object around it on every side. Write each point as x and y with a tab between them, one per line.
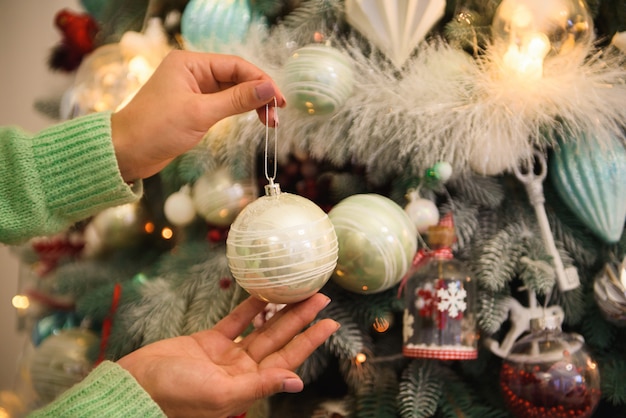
420	390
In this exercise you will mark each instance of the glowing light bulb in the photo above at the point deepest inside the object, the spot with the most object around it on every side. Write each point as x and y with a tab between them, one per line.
20	302
528	32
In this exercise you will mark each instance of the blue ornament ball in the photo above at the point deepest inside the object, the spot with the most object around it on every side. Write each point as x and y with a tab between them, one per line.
213	25
318	79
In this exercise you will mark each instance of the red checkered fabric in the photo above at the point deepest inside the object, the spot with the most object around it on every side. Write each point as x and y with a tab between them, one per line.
440	353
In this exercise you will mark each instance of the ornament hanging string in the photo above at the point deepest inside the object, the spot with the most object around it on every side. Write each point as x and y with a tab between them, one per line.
267	140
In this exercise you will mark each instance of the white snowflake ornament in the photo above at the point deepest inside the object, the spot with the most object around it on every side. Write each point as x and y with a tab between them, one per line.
452	300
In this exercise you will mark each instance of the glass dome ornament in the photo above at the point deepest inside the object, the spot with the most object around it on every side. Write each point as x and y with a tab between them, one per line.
440	302
526	32
550	374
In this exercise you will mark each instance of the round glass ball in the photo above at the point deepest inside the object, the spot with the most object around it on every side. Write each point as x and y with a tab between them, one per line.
218	197
550	374
377	243
318	79
282	248
213	25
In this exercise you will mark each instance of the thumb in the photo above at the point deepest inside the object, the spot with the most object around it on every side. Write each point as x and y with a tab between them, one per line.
239	98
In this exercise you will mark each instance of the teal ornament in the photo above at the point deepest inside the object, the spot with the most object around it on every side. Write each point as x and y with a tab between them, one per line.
318	79
213	25
96	8
53	324
589	177
377	243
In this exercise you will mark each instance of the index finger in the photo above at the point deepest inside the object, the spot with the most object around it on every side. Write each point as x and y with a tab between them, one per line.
216	72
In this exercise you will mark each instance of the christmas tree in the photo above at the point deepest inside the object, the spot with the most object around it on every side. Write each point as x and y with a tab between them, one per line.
470	156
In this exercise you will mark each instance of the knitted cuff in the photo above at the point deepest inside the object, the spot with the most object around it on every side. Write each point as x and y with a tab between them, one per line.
78	167
108	391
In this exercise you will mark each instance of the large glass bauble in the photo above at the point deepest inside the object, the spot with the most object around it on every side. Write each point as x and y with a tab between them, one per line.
550	374
213	25
377	242
282	248
318	79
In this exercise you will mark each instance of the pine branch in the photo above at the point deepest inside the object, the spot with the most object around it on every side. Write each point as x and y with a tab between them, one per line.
612	381
311	369
459	400
210	291
492	311
160	309
466	221
597	332
420	390
499	257
573	304
347	343
376	398
479	190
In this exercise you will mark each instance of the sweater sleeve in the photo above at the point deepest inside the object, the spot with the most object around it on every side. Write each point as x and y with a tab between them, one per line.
57	177
108	391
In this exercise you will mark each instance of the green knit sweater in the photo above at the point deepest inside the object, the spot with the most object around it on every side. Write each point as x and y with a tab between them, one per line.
62	175
49	181
108	391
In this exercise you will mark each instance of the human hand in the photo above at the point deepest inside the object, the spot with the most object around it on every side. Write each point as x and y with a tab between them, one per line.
207	374
187	94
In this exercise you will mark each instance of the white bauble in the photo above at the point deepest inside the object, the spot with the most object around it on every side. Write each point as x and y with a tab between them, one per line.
219	198
179	208
282	248
423	213
61	361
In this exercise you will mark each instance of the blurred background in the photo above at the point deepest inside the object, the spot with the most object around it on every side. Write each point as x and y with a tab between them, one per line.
27	34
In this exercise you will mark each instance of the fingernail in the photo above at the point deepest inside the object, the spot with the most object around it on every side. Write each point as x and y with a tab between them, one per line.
292	385
265	91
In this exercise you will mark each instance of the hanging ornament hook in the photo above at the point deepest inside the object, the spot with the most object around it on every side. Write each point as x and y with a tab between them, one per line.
272	188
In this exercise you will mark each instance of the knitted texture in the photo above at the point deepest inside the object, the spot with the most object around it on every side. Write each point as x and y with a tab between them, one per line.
108	391
63	174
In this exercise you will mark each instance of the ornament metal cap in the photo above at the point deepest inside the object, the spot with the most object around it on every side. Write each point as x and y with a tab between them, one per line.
272	189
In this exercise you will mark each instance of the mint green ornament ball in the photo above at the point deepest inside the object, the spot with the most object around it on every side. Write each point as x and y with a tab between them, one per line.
377	243
213	25
588	173
318	79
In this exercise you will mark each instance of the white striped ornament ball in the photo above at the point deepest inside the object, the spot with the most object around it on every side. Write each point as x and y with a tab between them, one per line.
282	247
377	242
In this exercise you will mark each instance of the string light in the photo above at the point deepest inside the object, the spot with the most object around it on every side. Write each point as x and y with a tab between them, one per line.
380	325
20	302
167	233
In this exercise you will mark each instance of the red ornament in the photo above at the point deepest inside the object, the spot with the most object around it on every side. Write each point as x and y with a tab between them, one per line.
79	32
55	249
217	234
226	283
